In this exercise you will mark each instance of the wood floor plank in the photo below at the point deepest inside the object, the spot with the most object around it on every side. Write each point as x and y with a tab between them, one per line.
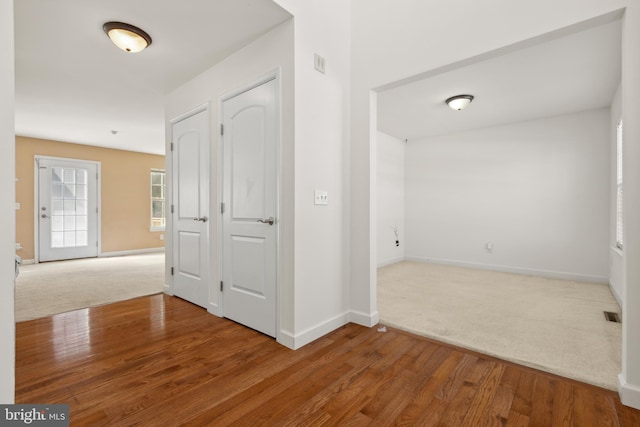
542	405
606	411
159	360
562	413
584	412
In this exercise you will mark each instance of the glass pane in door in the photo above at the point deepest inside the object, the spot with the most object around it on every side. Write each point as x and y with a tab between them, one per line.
68	207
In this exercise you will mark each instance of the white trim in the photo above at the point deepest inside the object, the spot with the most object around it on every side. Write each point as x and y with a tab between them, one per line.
364	319
629	393
517	270
28	261
296	341
214	309
615	294
200	108
390	261
617	250
286	338
131	252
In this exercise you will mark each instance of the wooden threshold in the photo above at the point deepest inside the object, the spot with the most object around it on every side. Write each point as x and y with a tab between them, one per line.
159	360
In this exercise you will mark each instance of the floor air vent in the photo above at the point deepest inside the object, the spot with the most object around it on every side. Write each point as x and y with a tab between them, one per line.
612	317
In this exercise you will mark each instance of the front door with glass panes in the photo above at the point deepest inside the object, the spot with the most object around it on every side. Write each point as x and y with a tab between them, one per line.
67	211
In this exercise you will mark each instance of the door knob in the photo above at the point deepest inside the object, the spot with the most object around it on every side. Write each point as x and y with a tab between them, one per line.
203	219
269	220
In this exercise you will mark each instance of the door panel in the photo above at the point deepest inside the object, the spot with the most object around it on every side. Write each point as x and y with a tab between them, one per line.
188	247
250	227
67	209
248	168
248	251
188	153
190	172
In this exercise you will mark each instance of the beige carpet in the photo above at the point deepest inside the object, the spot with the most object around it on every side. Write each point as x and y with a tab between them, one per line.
554	325
56	287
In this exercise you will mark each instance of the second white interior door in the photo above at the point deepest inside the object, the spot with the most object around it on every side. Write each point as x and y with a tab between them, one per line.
250	196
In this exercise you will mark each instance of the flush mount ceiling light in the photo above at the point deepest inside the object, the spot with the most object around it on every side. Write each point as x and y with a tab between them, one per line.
127	37
459	102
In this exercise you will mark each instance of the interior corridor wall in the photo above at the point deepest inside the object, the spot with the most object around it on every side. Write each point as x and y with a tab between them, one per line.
536	192
391	199
322	102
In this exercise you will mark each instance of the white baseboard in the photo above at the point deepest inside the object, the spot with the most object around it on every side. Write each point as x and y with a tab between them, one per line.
167	289
615	294
286	338
28	261
364	319
517	270
629	393
214	309
296	341
390	261
131	252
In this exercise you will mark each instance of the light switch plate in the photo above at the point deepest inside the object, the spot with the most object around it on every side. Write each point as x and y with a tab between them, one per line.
321	197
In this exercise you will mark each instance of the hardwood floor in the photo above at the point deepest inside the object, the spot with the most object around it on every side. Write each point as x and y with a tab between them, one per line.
161	361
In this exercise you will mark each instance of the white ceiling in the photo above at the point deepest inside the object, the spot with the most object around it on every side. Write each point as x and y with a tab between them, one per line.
74	85
577	72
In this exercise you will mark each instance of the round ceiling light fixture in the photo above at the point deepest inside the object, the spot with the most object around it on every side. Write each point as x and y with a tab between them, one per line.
127	37
459	102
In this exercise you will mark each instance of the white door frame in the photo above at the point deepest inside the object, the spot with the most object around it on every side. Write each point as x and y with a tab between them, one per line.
273	75
36	200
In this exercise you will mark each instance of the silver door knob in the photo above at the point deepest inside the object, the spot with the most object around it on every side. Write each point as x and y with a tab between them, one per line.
44	216
203	219
269	220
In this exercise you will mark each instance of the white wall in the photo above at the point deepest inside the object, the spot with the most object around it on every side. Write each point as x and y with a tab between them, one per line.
272	51
615	254
537	190
321	162
7	211
396	40
391	199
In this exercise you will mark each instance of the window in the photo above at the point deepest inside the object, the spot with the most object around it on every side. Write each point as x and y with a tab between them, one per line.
619	203
157	200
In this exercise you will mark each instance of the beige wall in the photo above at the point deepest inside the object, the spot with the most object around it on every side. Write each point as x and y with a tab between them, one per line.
125	193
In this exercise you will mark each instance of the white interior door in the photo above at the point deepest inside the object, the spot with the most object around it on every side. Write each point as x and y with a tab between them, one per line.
190	174
250	196
67	210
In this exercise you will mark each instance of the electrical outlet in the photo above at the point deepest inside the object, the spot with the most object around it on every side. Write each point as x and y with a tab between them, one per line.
321	197
162	237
